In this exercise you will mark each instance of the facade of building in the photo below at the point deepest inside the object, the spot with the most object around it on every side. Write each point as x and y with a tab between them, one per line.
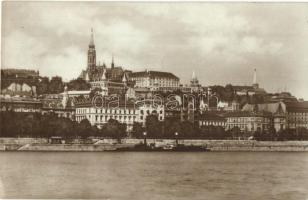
228	106
21	105
277	111
297	114
19	82
61	104
124	113
248	121
146	110
100	116
154	79
211	119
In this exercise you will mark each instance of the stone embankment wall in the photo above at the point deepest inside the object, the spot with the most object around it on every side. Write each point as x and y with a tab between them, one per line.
234	145
23	141
74	147
41	144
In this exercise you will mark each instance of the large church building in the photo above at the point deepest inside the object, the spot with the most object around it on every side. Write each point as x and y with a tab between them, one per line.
102	76
99	72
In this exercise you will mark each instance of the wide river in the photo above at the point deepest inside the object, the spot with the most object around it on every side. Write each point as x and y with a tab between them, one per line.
154	175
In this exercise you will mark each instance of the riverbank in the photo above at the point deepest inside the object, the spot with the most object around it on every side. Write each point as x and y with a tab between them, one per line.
42	144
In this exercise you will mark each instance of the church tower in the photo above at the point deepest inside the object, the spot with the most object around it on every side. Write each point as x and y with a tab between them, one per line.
91	54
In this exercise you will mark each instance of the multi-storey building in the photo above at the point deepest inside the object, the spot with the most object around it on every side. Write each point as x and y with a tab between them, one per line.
124	113
62	105
20	82
18	104
99	116
154	79
146	110
248	121
297	114
277	110
212	119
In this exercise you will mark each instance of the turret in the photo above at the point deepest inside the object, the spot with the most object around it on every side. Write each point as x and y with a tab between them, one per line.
103	78
65	97
254	82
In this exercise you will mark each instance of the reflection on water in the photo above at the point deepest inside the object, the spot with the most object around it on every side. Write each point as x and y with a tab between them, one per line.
154	175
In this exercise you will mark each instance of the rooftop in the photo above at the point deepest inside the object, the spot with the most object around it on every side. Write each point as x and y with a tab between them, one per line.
154	74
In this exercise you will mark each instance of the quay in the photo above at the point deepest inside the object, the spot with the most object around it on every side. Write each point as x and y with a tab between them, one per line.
96	145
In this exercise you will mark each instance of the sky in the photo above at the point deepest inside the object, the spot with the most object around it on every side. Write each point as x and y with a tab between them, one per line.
222	42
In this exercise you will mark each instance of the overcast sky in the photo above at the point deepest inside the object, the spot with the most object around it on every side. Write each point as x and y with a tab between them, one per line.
221	42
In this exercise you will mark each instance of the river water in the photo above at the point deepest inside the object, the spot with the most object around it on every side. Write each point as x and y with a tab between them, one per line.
154	175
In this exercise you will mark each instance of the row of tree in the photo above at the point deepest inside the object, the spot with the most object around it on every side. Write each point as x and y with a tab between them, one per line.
38	125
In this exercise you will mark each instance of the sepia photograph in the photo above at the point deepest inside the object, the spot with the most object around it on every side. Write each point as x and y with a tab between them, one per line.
158	100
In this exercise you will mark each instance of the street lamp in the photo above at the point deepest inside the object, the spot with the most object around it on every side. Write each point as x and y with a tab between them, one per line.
176	138
145	139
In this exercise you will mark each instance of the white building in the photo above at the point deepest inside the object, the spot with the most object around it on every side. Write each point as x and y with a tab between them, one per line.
100	116
146	110
154	79
127	114
249	121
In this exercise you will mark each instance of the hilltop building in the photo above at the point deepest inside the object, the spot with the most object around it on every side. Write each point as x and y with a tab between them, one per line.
194	83
154	79
111	79
254	89
19	82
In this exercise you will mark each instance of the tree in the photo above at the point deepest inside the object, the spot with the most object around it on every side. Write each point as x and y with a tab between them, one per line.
56	85
137	130
187	129
84	128
115	129
236	132
171	126
78	84
153	127
43	85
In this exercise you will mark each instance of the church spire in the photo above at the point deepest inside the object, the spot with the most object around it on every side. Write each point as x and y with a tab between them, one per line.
92	38
91	54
